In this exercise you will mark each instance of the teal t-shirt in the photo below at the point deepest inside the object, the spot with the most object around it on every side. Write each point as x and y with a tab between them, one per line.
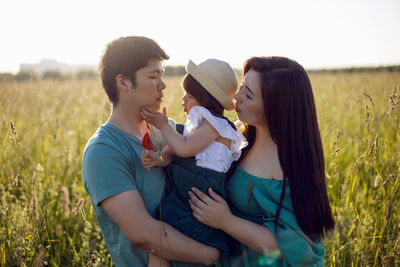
258	198
111	165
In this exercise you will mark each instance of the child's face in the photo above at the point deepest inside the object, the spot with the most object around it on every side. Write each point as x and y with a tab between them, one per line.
188	102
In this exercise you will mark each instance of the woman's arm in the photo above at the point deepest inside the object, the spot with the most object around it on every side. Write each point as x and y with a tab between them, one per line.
183	147
215	213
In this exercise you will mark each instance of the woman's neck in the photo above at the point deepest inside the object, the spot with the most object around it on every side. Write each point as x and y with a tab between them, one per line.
262	159
263	137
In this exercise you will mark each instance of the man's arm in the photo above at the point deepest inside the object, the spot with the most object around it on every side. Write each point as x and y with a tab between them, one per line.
127	209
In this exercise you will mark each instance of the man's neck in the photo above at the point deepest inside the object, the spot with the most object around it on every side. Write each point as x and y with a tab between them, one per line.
129	122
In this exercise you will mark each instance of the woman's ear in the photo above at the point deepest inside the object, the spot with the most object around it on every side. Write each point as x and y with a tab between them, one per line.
122	83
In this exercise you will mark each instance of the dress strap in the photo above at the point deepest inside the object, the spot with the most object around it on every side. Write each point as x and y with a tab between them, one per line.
179	127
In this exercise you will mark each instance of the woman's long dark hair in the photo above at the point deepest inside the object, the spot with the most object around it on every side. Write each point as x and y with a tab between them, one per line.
292	121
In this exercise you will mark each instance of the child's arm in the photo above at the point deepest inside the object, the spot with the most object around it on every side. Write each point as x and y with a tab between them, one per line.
183	147
150	159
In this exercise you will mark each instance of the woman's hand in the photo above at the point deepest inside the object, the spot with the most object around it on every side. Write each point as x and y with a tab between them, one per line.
154	117
213	211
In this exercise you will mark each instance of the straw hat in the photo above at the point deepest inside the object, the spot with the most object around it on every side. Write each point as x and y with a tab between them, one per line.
218	78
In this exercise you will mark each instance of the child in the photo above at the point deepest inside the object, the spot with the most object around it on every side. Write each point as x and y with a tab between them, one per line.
202	156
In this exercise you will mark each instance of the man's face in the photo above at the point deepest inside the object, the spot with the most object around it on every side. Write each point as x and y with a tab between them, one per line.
149	86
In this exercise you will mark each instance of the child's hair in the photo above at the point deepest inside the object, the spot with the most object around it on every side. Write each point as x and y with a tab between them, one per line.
202	96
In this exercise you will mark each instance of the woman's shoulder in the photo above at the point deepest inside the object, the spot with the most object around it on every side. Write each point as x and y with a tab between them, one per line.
266	186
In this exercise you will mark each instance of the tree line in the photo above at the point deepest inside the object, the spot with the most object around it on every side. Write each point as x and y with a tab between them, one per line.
394	68
48	75
80	75
169	71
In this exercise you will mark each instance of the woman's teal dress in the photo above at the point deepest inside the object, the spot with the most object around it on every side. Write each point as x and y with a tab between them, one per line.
256	199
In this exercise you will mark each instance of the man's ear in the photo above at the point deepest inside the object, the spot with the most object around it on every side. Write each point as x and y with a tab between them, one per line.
122	83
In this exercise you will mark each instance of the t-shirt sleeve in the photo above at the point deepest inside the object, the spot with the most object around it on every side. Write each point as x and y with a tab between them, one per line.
106	172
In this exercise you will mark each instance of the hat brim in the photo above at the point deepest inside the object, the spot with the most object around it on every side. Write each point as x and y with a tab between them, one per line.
209	85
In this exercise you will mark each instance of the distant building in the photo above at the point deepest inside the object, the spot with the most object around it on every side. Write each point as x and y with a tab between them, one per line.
53	65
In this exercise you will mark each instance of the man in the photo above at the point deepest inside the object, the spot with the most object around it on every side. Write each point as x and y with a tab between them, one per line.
124	195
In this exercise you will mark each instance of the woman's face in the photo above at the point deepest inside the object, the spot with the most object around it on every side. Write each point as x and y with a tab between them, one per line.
188	102
249	101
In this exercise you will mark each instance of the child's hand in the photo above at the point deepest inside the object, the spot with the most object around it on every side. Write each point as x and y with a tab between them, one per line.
154	117
148	159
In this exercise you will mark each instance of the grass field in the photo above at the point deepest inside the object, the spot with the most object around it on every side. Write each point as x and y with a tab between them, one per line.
46	217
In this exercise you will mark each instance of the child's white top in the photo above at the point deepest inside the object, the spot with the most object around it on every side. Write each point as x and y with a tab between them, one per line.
216	156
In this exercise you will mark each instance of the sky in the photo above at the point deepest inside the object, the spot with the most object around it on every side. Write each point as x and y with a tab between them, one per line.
316	33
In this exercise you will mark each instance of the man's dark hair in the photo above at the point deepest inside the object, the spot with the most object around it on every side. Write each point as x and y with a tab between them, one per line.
126	55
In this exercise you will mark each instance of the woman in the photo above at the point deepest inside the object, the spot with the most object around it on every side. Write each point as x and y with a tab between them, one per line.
277	192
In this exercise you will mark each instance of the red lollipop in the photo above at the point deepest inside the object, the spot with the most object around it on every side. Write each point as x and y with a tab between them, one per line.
146	142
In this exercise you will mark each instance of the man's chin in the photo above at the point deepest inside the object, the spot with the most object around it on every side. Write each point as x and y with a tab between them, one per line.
155	106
